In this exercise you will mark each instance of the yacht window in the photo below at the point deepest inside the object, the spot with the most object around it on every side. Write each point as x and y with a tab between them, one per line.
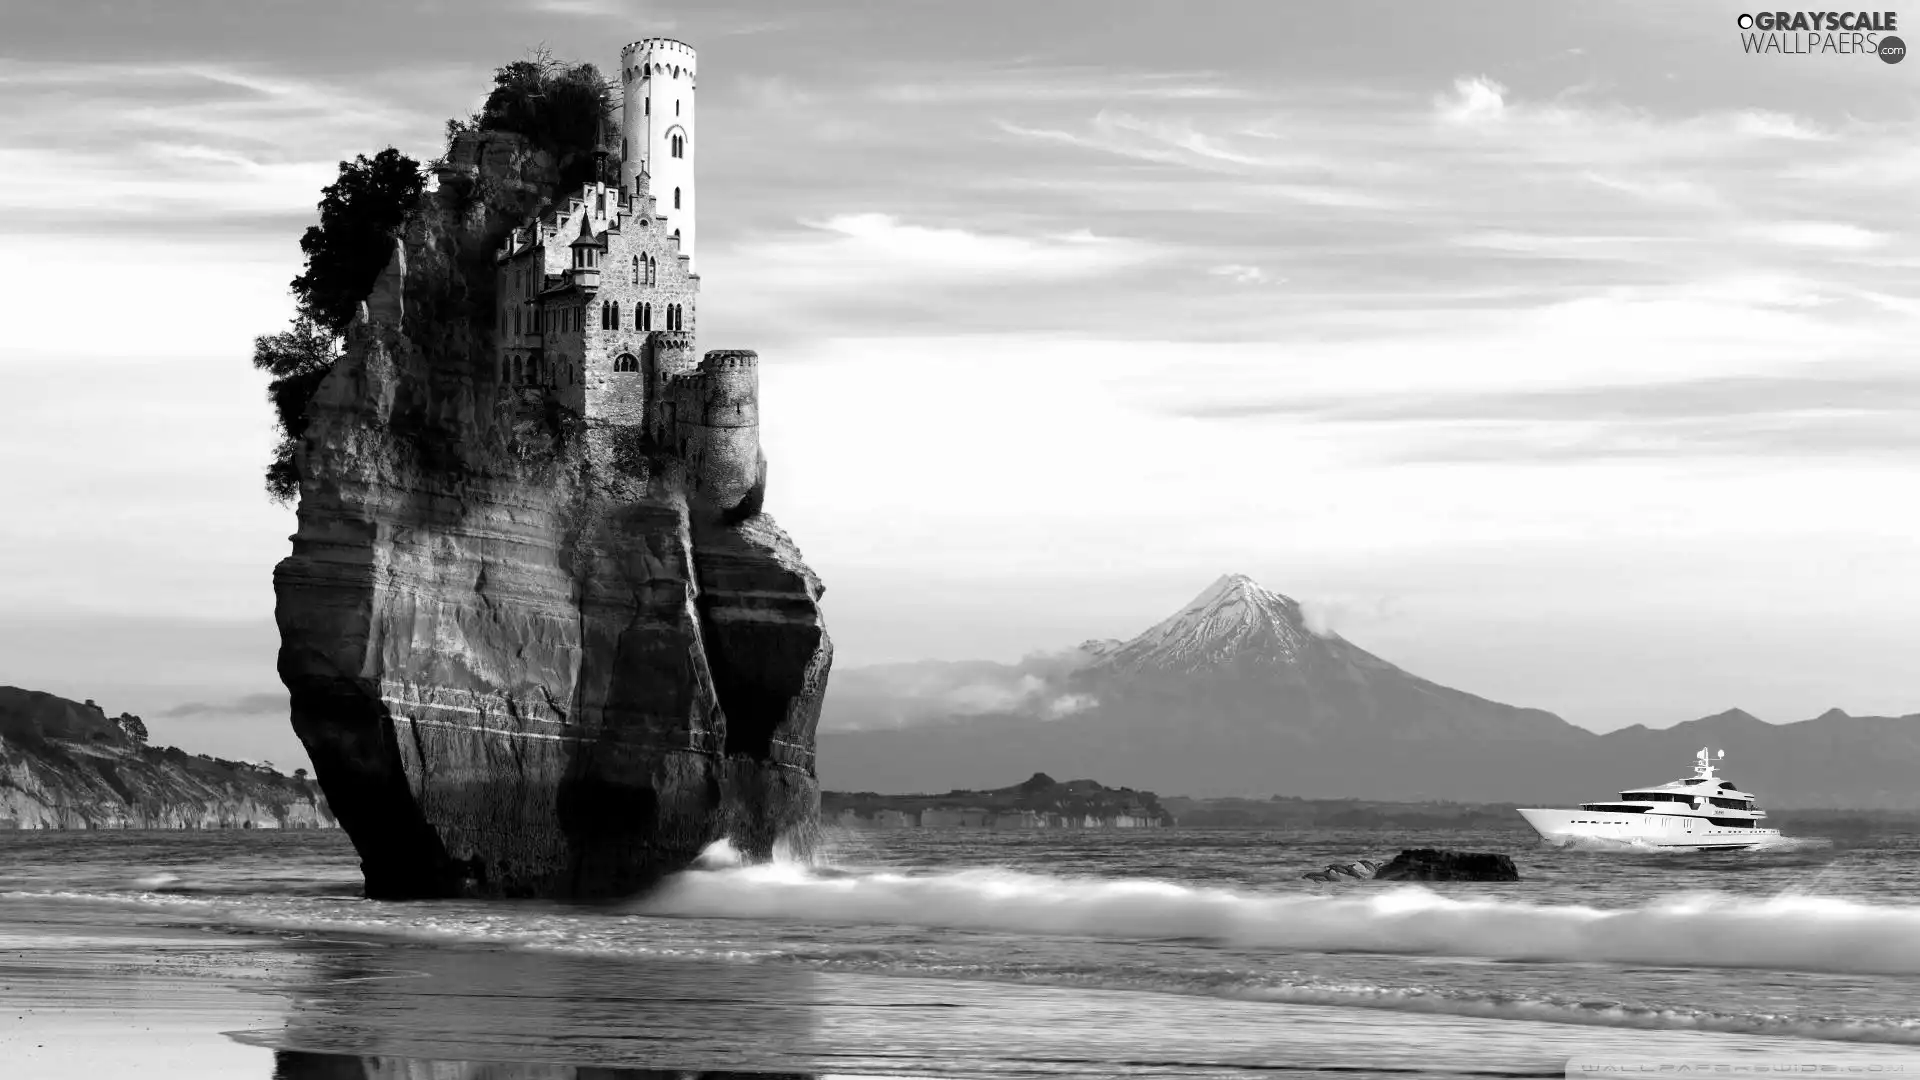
1731	804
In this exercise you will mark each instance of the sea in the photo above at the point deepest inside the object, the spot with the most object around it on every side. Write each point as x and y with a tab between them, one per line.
968	953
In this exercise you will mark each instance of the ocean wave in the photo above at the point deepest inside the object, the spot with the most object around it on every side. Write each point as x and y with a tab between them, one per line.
1779	933
1700	929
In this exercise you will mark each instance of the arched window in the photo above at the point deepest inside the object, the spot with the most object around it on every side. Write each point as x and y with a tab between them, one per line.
626	362
636	269
653	270
646	316
516	321
639	317
676	198
516	370
615	322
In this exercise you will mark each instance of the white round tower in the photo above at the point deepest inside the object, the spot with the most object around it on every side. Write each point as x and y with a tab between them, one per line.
657	133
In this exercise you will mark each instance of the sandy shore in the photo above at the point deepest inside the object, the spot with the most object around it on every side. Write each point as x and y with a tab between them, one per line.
97	991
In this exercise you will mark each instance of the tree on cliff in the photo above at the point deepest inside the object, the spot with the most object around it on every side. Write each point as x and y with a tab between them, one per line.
132	727
360	214
297	358
564	109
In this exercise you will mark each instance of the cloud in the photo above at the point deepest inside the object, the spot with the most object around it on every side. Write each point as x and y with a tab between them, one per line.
1833	235
1240	274
905	695
1027	84
624	10
1474	100
247	705
1857	412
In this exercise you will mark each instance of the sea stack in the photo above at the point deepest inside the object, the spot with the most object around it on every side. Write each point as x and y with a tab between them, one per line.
539	636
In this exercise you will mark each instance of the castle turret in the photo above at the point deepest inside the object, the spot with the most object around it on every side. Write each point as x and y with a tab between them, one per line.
585	270
718	429
657	80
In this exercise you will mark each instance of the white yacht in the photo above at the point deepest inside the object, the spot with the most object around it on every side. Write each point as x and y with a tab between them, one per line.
1700	812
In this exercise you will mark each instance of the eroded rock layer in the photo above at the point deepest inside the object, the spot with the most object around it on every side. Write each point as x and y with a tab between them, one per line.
526	654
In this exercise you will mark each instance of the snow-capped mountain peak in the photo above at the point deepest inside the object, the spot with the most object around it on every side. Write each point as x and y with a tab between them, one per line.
1233	620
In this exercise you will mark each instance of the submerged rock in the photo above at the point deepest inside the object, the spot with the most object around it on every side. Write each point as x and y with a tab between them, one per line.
537	644
1431	864
1359	870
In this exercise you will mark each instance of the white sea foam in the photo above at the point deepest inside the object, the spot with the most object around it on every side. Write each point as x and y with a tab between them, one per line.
1699	929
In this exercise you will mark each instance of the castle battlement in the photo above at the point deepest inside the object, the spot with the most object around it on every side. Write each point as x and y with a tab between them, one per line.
729	360
667	51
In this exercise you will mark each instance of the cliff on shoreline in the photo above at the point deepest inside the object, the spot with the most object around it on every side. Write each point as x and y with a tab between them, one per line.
1039	803
528	652
67	765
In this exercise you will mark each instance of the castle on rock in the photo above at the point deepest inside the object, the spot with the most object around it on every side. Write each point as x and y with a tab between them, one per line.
597	297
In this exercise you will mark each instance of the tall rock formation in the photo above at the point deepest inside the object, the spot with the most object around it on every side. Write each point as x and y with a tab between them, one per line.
529	651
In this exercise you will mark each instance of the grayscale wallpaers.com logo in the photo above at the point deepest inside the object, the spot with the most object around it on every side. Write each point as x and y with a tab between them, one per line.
1810	33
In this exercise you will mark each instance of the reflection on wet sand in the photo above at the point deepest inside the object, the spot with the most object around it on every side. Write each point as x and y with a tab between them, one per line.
301	1065
422	1012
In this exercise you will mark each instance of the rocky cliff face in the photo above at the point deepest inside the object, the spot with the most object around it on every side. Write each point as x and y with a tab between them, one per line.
524	657
64	765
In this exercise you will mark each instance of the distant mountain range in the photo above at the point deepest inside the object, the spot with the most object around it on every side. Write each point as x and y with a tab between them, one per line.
1235	695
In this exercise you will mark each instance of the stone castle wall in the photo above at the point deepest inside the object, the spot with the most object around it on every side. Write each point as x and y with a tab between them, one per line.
718	424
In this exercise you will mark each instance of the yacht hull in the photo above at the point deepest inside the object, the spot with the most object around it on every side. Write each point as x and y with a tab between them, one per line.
1653	830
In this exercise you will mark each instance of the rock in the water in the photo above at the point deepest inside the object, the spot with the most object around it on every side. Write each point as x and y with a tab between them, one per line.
536	647
1359	870
1431	864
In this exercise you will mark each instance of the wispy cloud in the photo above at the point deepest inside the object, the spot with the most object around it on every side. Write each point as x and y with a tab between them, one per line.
1851	411
247	705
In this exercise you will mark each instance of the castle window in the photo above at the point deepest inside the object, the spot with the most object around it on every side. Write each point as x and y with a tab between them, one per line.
676	106
614	323
636	269
516	321
603	315
676	198
626	362
639	316
653	270
600	203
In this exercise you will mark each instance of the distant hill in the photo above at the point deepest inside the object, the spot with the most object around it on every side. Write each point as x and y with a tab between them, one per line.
67	765
1038	802
1235	695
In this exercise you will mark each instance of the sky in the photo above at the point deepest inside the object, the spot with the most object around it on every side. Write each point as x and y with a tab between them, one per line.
1564	354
